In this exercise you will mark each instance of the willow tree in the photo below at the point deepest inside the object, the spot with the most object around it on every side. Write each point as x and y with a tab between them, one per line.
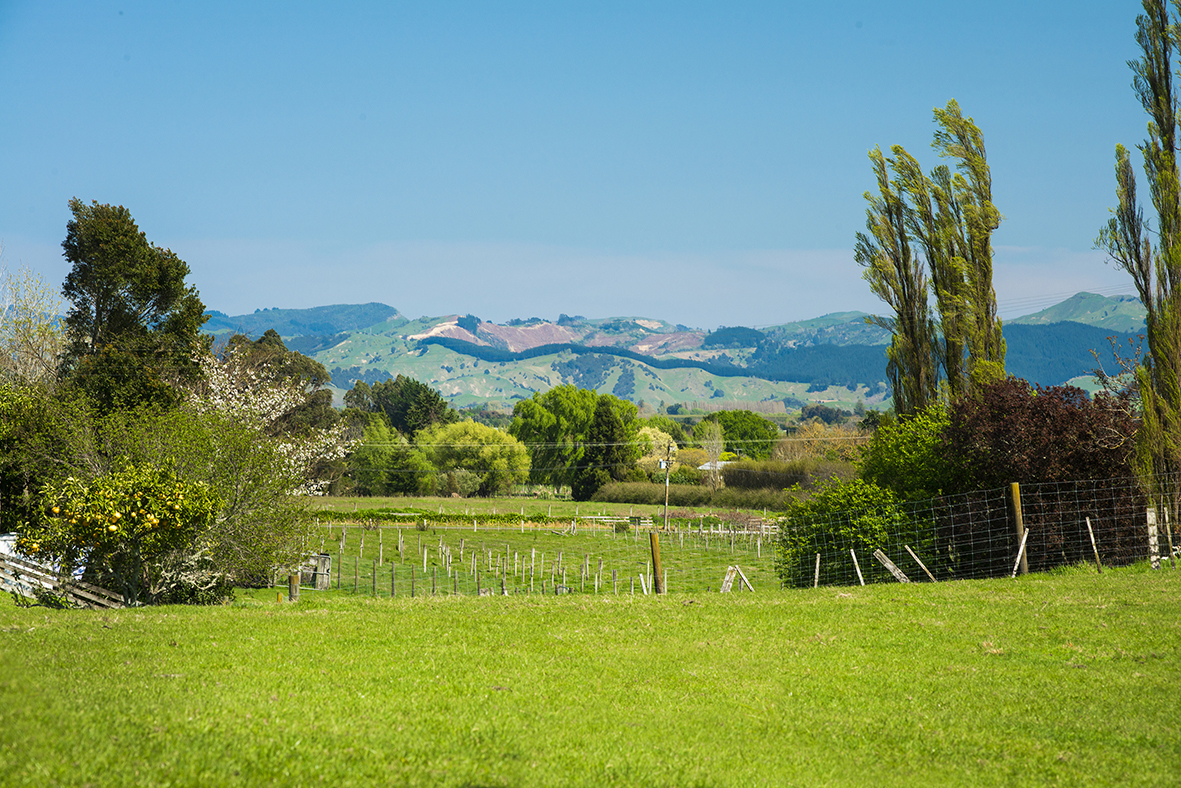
1155	269
895	274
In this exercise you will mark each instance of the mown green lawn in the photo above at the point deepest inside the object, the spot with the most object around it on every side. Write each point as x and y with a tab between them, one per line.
1063	679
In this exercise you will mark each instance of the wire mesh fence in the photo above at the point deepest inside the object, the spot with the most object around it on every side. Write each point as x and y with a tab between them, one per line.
965	536
585	556
977	534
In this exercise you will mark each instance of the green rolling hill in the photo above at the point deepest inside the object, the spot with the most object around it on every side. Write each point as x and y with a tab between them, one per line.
836	358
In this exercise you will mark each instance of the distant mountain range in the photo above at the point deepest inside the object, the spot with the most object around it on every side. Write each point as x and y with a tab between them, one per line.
837	358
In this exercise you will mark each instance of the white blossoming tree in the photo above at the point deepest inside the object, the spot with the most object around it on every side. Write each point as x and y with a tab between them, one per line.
262	472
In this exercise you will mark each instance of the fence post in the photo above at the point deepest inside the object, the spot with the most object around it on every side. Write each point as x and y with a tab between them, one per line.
293	588
1019	527
1153	540
657	573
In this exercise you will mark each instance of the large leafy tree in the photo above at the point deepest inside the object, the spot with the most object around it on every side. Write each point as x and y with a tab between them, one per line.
1014	432
387	464
1155	268
747	433
555	426
493	456
607	453
970	219
134	325
408	404
31	335
268	360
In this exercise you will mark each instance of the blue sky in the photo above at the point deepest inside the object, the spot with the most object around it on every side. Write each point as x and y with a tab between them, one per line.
697	162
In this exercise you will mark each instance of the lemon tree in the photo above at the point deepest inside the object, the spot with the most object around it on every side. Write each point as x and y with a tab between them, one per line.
120	528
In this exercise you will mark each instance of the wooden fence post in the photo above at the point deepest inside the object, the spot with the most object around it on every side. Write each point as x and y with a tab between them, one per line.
1153	539
919	561
1094	549
292	587
657	574
1018	526
857	566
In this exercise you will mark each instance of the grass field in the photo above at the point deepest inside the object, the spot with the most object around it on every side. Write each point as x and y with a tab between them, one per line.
533	558
531	507
1061	679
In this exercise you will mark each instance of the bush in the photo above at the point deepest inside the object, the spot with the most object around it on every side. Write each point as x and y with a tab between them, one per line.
685	475
773	500
907	455
649	493
840	516
764	475
461	482
690	495
137	532
1014	432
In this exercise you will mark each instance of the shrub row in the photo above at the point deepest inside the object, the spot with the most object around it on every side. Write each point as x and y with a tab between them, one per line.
690	495
765	474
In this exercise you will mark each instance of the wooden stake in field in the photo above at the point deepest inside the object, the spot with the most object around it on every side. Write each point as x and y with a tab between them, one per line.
657	576
891	566
857	566
412	581
918	561
1019	526
1169	534
1153	539
380	547
1094	548
816	579
1020	556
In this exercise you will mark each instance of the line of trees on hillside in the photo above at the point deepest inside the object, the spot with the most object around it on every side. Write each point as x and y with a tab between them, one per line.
830	365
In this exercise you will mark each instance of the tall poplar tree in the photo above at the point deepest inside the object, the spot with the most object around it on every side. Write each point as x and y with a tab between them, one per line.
935	230
968	227
1155	269
895	274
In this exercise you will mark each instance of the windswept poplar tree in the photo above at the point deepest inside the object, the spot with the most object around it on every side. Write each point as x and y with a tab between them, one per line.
896	276
933	216
1155	269
968	226
935	230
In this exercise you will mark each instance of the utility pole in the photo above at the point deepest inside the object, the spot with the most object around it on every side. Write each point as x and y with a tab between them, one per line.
668	451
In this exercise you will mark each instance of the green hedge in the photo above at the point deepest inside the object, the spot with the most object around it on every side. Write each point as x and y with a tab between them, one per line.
682	495
764	474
